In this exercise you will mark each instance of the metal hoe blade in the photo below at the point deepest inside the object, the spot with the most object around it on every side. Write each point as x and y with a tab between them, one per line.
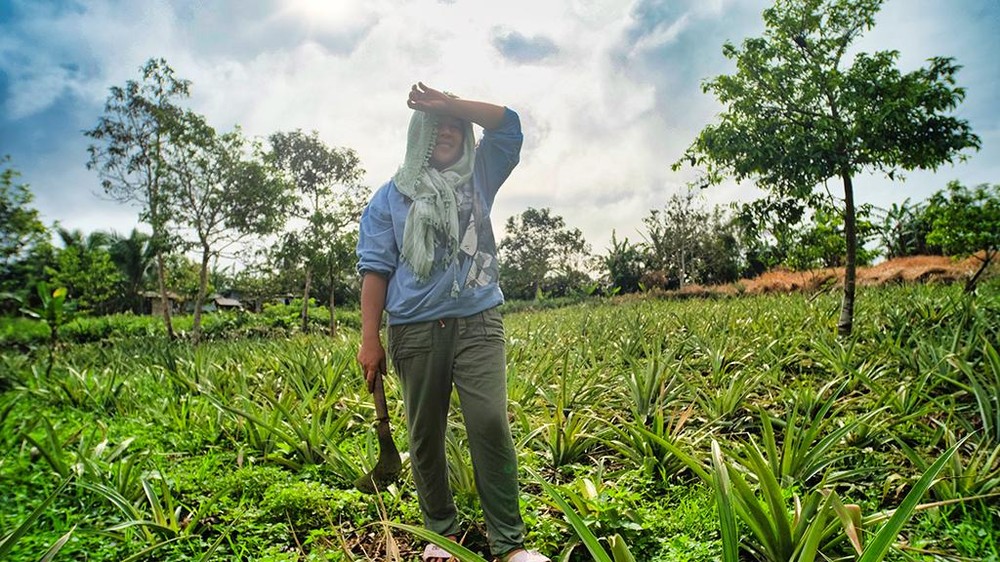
387	469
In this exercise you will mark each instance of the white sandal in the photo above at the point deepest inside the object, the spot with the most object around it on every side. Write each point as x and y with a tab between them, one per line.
527	556
433	551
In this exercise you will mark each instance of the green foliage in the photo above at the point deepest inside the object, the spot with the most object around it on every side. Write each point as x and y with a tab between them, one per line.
812	440
296	421
329	201
903	231
20	332
129	149
222	191
811	531
98	328
303	504
252	482
84	266
968	529
21	229
275	321
688	244
824	123
651	445
625	263
8	540
244	447
619	551
799	234
981	381
133	255
966	221
822	243
54	311
879	545
458	551
973	472
801	111
540	253
768	229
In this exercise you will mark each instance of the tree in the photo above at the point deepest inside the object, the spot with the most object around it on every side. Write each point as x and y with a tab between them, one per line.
767	227
255	283
904	229
800	111
133	255
672	235
687	243
538	247
129	153
721	254
625	263
21	229
223	191
819	242
85	269
330	201
184	275
338	277
965	222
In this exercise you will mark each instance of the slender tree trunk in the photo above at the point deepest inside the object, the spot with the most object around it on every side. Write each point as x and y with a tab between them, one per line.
157	223
333	306
846	323
161	274
333	314
305	300
973	282
680	283
200	299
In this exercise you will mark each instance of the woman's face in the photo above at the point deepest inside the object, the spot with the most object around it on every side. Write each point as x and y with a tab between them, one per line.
448	146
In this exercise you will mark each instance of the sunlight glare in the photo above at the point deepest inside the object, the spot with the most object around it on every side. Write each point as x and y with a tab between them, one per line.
321	11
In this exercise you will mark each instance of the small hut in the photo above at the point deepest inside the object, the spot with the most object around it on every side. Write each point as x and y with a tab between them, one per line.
219	302
153	304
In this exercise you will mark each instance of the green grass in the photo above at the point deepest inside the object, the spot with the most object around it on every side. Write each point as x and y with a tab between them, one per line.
246	446
274	321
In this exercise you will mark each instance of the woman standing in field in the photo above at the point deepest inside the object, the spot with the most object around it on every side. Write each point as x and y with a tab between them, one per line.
427	256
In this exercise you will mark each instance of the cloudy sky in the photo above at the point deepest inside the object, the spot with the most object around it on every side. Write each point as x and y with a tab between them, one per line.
609	91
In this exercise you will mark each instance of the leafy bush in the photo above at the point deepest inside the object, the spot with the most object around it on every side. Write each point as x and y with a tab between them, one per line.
22	332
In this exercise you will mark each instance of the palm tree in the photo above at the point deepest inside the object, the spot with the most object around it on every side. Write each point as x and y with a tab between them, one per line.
96	240
134	257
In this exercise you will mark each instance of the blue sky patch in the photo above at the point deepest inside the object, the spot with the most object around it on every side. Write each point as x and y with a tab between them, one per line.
524	50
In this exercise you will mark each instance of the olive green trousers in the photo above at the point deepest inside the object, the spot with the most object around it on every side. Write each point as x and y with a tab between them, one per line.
467	353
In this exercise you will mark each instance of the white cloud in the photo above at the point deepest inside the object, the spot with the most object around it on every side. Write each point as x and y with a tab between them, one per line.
606	112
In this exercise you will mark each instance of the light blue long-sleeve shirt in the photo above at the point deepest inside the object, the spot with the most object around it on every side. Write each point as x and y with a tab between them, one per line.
469	284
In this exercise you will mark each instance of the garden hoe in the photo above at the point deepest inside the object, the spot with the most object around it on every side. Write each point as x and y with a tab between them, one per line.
387	469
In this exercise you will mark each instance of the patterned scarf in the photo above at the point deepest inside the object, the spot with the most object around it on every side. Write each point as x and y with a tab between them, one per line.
434	211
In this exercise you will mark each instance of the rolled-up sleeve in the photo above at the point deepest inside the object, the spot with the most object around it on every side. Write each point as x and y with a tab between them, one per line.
498	153
377	251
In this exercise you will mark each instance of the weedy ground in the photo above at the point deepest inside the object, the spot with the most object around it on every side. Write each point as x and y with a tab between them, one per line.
246	446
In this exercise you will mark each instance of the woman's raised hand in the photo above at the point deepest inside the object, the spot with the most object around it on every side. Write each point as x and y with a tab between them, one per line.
425	98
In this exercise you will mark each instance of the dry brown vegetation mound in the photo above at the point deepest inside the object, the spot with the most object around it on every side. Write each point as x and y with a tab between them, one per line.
913	269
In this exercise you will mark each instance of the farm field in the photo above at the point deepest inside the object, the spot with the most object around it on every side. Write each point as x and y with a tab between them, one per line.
666	429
